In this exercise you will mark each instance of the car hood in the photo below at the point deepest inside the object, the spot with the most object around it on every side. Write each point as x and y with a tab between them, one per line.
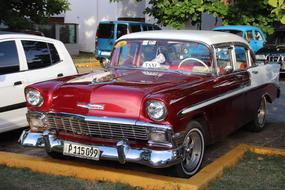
115	94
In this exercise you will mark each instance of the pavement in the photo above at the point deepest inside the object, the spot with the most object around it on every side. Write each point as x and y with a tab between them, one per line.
272	136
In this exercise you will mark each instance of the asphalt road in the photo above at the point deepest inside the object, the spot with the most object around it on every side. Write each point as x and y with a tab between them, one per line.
272	136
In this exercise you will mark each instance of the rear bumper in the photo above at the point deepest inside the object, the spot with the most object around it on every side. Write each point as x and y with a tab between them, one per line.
121	152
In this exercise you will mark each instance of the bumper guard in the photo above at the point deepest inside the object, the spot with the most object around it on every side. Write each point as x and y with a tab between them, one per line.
122	152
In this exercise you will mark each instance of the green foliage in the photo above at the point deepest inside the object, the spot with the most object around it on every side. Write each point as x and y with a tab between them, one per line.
23	13
244	12
256	13
279	9
176	12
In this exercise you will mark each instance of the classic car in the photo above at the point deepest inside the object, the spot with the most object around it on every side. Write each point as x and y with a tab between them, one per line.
165	95
274	49
252	34
26	59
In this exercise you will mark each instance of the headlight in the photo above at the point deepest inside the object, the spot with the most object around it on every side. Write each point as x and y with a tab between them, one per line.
34	98
156	110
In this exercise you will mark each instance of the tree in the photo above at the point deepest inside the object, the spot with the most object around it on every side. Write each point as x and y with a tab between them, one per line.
279	9
19	14
256	13
176	12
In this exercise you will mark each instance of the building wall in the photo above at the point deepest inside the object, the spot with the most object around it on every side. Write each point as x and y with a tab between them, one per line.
88	13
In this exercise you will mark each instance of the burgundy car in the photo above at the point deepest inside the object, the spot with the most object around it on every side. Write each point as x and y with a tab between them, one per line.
164	96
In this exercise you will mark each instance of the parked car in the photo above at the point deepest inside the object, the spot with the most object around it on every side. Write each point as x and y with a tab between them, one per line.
24	60
109	31
252	34
274	49
157	105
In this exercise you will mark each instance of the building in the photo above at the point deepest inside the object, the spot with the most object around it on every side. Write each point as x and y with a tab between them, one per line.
77	27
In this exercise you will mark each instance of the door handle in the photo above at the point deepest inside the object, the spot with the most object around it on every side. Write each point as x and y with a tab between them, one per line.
18	83
60	75
255	72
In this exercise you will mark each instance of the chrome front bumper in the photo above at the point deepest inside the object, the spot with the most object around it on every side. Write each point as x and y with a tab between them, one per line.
122	152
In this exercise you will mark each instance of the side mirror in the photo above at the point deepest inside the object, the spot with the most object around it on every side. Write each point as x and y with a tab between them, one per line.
105	63
228	69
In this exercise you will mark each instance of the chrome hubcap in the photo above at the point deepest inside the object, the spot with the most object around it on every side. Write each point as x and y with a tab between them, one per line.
193	151
261	113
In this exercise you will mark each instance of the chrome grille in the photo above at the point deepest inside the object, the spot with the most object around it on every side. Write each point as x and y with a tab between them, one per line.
97	129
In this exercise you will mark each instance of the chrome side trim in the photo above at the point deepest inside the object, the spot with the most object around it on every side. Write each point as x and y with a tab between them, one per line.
217	99
212	101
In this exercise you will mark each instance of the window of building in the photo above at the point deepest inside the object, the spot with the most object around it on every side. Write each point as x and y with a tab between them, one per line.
48	30
67	33
37	54
9	61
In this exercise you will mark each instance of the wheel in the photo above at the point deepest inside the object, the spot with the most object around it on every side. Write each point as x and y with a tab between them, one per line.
259	121
194	146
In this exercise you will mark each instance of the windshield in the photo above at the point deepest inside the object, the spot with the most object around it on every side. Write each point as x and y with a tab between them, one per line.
162	55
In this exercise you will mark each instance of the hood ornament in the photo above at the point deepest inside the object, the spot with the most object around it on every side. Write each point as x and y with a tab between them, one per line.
91	106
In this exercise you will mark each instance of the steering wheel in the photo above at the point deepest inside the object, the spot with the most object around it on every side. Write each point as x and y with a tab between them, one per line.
195	59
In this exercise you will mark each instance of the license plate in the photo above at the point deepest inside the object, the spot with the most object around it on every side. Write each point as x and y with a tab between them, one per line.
106	53
81	151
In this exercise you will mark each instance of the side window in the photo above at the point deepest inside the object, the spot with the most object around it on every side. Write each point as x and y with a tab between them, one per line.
241	58
149	27
53	54
37	54
145	27
258	36
105	30
9	61
122	30
249	35
135	28
223	59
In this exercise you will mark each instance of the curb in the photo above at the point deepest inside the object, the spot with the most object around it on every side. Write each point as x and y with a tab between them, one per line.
93	64
139	179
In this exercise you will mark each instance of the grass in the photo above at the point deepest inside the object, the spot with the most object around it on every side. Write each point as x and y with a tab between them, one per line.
253	172
25	179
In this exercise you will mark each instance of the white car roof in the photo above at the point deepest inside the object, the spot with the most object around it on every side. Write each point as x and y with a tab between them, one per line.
208	37
10	35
